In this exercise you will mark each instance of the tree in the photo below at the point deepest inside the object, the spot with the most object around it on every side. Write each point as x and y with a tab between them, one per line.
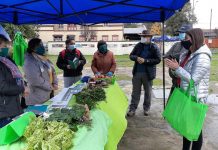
29	31
155	29
185	16
88	33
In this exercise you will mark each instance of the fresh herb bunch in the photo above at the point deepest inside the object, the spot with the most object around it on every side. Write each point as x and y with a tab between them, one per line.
91	96
48	135
73	117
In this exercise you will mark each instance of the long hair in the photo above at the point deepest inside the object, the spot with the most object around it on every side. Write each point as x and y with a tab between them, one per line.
197	36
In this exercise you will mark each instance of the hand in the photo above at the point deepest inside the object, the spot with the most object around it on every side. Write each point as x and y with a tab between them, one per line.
140	60
54	87
97	74
109	74
68	67
172	64
26	91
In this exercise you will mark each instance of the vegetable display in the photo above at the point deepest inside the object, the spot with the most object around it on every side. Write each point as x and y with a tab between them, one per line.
77	115
48	135
91	96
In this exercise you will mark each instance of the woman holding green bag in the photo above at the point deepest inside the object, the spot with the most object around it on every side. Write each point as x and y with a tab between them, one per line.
194	64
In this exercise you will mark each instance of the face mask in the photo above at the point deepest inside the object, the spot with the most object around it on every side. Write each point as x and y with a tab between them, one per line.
40	50
4	51
143	40
186	44
72	47
103	49
181	36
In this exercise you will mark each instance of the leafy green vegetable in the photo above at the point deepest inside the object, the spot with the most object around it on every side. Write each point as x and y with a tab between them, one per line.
73	117
48	135
91	96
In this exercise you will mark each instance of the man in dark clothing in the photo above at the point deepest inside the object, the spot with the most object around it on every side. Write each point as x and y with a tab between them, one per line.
174	53
146	56
71	61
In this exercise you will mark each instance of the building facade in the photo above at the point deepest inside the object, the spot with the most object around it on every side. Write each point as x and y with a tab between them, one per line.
60	32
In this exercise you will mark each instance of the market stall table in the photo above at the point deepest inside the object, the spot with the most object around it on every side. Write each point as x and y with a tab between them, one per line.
108	124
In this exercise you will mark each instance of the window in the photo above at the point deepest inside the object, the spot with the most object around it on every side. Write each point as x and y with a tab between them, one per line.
94	38
115	37
105	37
71	37
71	27
60	26
57	38
81	38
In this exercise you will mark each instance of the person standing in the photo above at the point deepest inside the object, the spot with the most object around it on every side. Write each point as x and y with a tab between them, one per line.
71	61
11	85
194	64
103	62
174	53
39	73
146	56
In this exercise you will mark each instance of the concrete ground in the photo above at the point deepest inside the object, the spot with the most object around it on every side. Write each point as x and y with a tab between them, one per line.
152	132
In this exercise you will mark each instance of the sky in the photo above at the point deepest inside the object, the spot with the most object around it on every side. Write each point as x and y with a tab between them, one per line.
202	10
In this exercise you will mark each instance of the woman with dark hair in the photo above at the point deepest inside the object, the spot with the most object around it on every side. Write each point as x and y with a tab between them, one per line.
194	64
11	85
39	73
103	62
71	61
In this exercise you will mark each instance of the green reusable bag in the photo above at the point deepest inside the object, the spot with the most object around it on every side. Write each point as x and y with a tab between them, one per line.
184	113
14	130
19	49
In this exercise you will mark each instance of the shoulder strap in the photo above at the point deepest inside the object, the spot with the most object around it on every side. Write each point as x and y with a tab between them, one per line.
78	52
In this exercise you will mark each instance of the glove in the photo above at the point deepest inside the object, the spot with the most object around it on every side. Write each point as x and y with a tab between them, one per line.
97	73
109	74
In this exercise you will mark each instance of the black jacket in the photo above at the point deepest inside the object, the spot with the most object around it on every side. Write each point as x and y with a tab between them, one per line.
9	94
154	58
62	62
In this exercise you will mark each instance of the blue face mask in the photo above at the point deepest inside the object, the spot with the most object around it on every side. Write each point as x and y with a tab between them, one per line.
40	50
72	47
103	49
181	36
4	52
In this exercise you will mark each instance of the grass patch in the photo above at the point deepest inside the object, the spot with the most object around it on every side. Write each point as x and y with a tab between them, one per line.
157	82
123	77
124	61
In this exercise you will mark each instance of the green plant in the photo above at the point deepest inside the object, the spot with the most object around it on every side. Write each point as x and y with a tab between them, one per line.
91	96
48	135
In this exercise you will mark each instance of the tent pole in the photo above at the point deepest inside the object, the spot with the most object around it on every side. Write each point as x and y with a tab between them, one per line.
164	96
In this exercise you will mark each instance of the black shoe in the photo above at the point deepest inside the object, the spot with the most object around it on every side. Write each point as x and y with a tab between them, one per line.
131	113
145	112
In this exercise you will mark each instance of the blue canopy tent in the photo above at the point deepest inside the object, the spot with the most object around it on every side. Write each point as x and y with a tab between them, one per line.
89	12
165	38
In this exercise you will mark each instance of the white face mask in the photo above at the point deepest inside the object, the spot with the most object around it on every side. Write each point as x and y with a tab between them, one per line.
143	40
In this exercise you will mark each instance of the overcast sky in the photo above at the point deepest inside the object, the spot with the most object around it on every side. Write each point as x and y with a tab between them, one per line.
202	11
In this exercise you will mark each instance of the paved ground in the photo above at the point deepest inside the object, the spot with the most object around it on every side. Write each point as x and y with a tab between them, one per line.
152	132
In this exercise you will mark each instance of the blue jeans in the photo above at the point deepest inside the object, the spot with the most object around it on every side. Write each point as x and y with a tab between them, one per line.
4	122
